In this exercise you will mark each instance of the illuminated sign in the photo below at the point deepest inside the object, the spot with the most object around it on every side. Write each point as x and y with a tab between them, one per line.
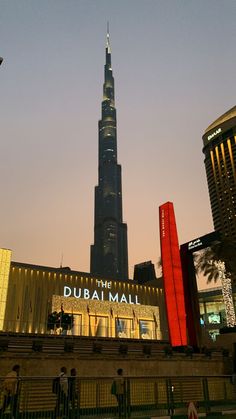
214	318
216	132
162	223
172	276
195	243
100	295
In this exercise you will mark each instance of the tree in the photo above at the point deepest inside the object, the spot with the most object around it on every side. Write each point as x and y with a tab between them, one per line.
61	320
219	262
66	320
221	251
52	320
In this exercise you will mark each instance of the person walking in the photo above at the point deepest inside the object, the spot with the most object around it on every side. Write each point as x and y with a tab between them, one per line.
119	390
11	391
62	402
73	395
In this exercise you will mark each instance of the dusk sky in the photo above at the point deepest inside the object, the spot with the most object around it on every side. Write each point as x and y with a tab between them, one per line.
174	65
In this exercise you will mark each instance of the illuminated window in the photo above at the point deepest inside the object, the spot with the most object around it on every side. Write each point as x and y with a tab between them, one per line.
98	326
214	318
77	325
147	329
124	328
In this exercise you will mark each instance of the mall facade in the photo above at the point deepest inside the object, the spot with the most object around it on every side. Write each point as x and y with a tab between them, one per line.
99	307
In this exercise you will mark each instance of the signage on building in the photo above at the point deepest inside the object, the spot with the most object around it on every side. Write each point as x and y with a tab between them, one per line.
195	243
216	132
162	222
100	295
202	242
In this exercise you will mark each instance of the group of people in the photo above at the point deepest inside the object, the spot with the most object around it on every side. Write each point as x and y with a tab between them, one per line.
67	404
65	389
66	394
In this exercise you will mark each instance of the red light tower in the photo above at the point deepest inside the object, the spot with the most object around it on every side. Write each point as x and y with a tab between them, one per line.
172	276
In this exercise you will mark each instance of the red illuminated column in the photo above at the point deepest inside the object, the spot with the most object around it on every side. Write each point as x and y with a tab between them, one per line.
172	276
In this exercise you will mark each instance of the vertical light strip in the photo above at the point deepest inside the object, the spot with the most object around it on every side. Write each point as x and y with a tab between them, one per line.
223	155
226	181
216	179
218	161
5	263
231	157
212	161
213	164
222	202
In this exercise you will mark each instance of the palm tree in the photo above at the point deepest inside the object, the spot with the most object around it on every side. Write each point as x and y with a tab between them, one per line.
219	262
207	261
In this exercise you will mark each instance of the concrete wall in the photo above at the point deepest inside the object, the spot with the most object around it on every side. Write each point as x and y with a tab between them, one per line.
98	365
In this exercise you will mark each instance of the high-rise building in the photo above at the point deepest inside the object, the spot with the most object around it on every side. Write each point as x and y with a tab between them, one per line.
109	253
219	148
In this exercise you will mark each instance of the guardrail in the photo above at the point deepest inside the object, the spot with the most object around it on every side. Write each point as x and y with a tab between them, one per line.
144	397
92	329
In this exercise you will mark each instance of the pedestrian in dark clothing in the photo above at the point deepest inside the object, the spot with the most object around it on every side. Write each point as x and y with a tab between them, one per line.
73	395
62	403
11	391
119	390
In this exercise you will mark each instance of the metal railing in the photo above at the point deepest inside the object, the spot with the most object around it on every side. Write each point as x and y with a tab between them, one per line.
144	397
82	329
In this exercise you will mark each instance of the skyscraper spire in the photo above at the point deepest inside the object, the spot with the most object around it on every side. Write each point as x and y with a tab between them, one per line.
109	254
108	45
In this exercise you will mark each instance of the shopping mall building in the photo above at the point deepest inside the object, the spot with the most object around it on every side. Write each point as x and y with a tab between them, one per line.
98	306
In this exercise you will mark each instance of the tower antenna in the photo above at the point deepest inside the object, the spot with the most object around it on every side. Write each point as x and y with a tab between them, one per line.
108	38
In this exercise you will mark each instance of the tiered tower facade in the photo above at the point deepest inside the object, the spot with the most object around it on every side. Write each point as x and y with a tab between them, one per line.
109	253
